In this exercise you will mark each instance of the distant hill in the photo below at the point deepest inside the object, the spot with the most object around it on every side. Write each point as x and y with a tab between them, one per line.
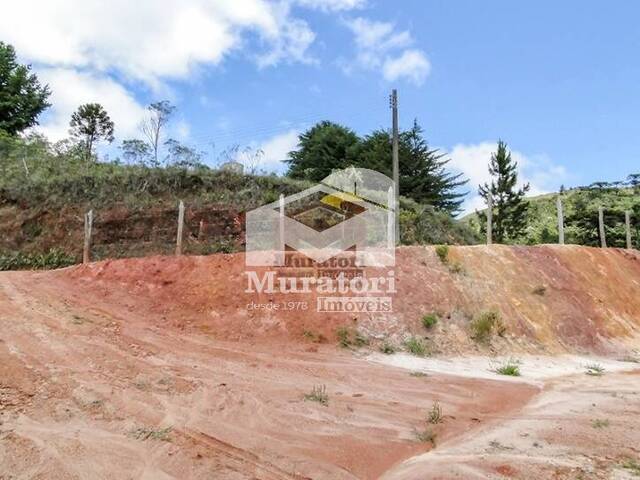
581	215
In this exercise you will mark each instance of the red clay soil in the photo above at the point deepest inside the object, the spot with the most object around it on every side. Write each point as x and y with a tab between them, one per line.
154	369
550	298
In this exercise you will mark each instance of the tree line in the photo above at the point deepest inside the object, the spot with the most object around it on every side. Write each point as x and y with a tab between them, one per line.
425	176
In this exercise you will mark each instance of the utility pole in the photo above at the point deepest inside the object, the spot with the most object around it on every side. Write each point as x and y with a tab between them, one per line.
489	219
396	163
560	221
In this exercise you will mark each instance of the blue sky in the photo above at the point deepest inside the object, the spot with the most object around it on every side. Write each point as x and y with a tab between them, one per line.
559	81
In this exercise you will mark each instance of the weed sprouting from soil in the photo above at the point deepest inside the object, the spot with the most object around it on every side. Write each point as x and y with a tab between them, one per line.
426	435
594	369
144	433
348	338
418	374
318	394
511	367
313	336
599	423
435	414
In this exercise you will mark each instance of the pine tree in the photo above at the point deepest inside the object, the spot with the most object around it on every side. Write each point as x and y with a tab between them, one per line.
90	124
509	206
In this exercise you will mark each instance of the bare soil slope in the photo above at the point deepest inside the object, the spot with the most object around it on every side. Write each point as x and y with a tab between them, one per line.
153	369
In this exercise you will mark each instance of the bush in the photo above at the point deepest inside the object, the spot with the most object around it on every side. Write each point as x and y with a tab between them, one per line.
43	261
443	253
426	436
387	348
483	326
429	321
416	346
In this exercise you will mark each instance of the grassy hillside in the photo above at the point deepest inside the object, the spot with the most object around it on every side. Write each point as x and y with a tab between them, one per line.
581	216
45	191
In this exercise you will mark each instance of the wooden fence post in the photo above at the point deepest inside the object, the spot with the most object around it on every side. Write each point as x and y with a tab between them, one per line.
281	253
489	219
603	237
627	224
88	230
560	221
180	228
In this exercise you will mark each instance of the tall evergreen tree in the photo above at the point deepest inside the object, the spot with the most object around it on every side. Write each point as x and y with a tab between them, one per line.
423	174
509	206
22	97
323	148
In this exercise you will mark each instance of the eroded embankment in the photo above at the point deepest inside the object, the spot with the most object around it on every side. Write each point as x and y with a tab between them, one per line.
550	298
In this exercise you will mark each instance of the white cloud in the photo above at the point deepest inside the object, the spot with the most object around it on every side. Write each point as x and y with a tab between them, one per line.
332	5
270	154
71	88
149	40
277	149
380	47
412	65
473	161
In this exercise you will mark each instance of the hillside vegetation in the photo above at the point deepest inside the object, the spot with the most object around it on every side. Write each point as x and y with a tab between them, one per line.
46	189
580	207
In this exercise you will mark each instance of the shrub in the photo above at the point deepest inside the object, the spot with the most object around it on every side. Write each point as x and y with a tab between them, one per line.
443	253
425	436
429	321
456	267
387	348
318	394
416	346
343	335
483	325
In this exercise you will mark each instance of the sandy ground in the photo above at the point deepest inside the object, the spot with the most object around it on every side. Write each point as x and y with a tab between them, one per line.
87	393
115	371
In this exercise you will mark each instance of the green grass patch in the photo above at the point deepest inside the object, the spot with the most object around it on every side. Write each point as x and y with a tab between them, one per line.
510	367
429	321
416	346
